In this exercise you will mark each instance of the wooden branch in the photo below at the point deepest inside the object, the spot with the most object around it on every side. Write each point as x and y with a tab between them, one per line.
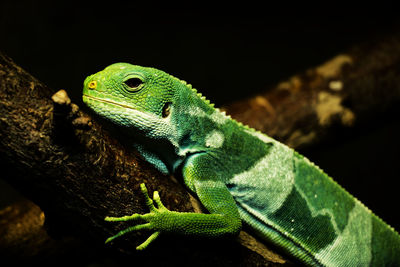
353	89
78	174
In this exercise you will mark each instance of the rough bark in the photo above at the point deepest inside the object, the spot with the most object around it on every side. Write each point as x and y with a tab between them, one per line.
354	88
78	174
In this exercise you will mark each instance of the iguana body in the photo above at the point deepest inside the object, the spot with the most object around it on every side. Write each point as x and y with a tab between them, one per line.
238	174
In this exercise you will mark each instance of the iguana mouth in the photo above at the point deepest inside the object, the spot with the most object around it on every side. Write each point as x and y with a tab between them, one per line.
107	101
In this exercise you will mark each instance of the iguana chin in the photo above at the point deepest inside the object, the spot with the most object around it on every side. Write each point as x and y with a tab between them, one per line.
239	175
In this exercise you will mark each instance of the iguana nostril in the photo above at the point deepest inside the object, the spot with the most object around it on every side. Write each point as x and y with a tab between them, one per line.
92	85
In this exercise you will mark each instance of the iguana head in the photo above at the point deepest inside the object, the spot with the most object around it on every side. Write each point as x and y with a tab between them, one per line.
131	96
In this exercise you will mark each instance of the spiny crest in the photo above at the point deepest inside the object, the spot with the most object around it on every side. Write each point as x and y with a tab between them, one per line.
194	90
205	99
199	95
246	127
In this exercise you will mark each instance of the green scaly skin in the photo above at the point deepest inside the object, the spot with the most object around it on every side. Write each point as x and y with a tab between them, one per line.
238	174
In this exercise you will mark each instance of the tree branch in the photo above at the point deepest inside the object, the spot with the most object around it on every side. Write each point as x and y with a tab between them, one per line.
353	89
78	174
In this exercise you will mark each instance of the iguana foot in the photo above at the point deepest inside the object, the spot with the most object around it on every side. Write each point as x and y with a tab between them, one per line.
148	217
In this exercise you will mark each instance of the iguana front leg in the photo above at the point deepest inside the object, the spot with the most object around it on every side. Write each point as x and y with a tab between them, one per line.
161	220
149	218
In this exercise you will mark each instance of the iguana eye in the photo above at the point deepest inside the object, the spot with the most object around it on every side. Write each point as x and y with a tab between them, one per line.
133	84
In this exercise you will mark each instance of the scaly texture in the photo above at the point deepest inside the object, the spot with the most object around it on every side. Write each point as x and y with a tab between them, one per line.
238	174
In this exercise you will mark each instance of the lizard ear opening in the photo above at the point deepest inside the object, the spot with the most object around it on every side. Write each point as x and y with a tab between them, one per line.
166	109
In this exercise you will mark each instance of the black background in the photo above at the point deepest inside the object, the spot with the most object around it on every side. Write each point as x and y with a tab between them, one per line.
227	52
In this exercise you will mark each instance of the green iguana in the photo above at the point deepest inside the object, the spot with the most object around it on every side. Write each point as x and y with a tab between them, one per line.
237	173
